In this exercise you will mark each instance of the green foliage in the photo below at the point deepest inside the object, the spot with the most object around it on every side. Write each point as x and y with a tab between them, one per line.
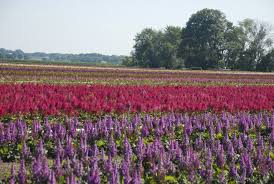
156	49
208	41
267	62
256	43
128	61
57	57
203	39
170	179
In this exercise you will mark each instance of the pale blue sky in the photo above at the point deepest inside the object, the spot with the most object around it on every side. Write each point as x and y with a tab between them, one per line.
105	26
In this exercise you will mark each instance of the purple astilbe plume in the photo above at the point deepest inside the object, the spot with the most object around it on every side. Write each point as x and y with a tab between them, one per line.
127	149
243	124
136	179
240	144
25	151
259	155
115	174
230	152
160	166
145	131
260	141
83	144
40	169
246	160
186	141
233	171
88	126
58	166
52	179
130	129
36	128
70	179
140	150
219	127
94	174
95	151
72	124
188	127
191	163
117	131
2	133
220	158
69	149
112	147
22	130
59	132
79	170
40	151
208	173
12	130
211	129
45	168
67	166
126	172
108	165
12	175
265	165
59	149
243	168
198	143
37	168
22	175
243	175
272	135
234	140
249	144
48	131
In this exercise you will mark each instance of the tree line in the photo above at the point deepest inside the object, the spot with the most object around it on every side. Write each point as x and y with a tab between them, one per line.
89	57
207	41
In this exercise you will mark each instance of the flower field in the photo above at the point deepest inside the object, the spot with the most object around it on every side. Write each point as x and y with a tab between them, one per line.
132	126
124	76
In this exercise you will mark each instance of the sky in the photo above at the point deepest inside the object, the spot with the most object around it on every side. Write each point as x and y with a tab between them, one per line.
105	26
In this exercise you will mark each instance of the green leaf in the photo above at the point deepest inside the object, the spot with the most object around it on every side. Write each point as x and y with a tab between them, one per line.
271	155
170	179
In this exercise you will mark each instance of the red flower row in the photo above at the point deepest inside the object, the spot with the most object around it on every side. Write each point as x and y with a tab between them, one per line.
72	99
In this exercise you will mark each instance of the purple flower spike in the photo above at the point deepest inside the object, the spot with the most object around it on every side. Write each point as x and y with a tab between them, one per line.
12	175
22	175
52	179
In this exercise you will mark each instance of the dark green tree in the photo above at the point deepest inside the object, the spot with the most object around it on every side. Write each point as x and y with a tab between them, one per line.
203	39
146	52
169	47
267	63
234	41
157	48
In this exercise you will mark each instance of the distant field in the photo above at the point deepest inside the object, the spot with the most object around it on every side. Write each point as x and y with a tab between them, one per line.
132	76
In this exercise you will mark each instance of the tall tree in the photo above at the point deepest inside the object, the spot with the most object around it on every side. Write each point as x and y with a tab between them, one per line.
169	46
203	39
157	48
256	44
234	41
145	49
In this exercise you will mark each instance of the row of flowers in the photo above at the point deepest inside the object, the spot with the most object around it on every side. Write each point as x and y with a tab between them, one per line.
129	76
73	99
174	148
